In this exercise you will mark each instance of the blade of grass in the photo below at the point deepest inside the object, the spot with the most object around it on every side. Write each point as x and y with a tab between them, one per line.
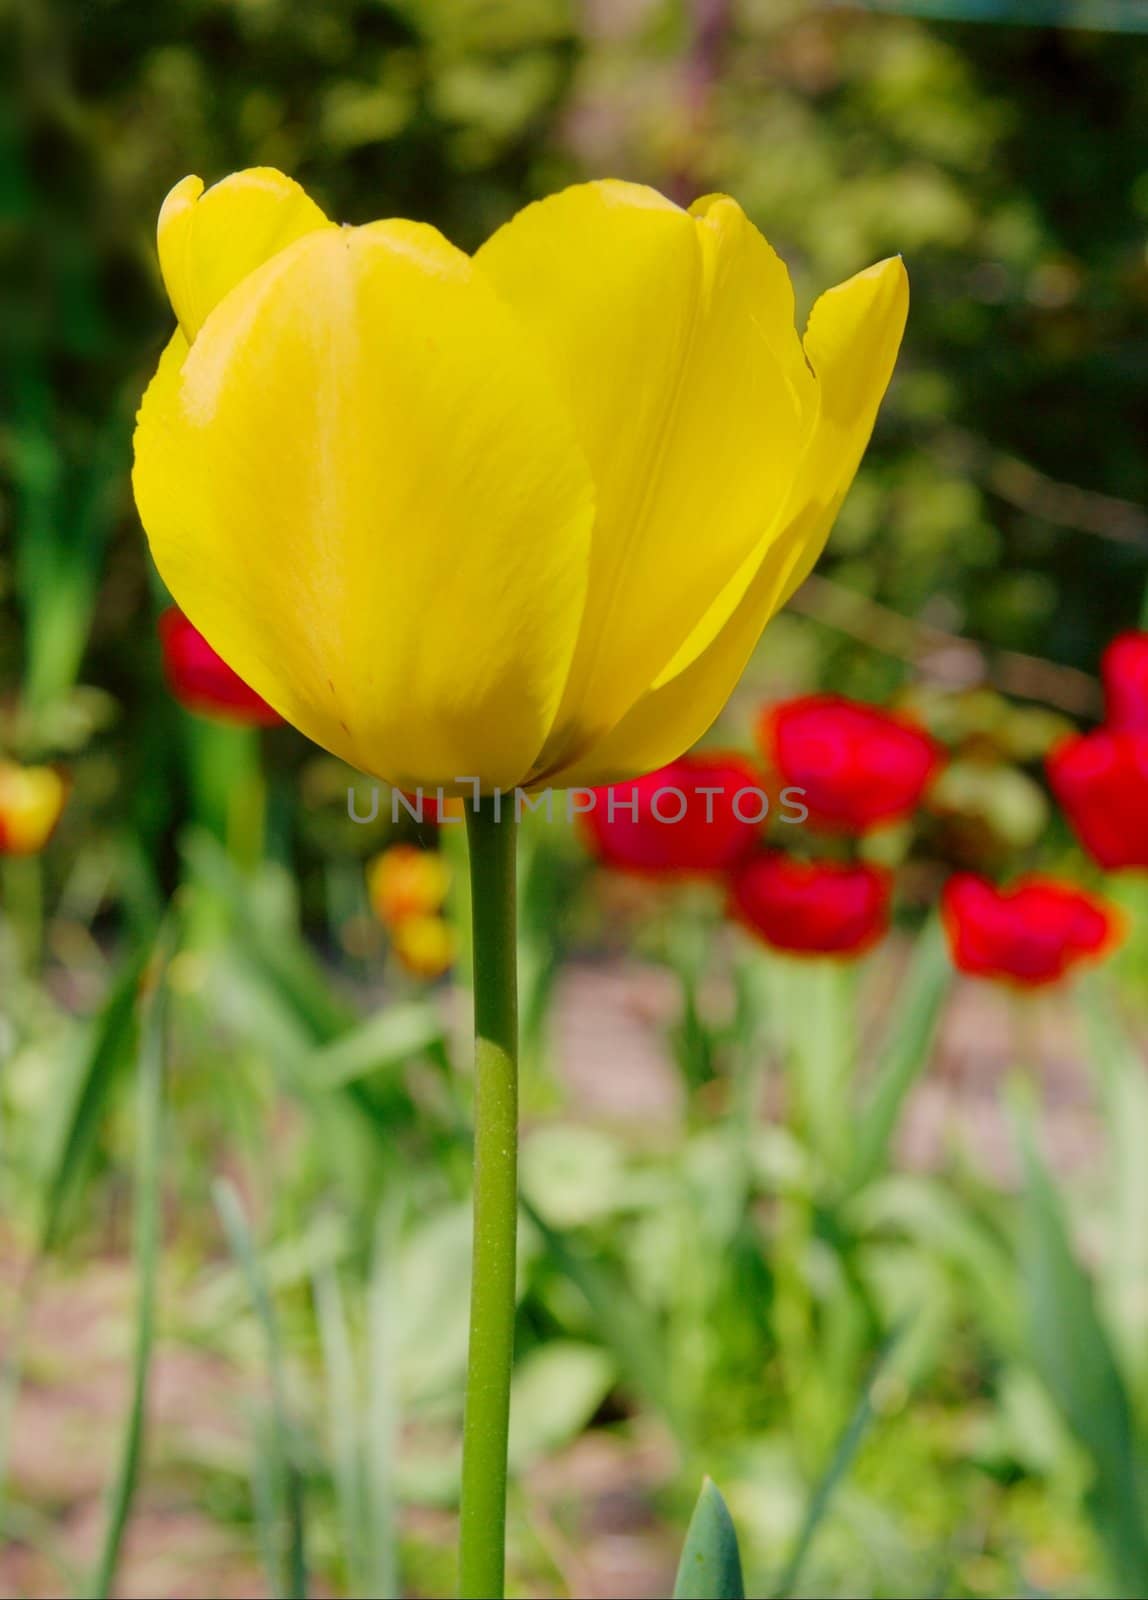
344	1412
269	944
109	1040
281	1457
267	1499
822	1497
148	1199
68	505
383	1409
270	948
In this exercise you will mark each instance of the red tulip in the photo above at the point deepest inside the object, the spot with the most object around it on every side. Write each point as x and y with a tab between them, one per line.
201	680
1029	935
859	766
816	908
424	806
1124	668
698	815
1101	781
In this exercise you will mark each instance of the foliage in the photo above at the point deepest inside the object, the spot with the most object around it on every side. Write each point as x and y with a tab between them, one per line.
907	1375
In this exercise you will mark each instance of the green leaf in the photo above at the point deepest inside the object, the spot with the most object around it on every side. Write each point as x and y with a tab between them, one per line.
107	1049
384	1043
428	1321
842	1459
710	1568
632	1335
1119	1069
947	1226
1074	1357
905	1054
277	1477
557	1389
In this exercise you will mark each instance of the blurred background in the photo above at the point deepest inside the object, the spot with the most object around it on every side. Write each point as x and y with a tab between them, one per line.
928	1375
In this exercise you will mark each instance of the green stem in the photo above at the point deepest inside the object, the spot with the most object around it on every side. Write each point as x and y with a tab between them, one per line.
482	1532
227	785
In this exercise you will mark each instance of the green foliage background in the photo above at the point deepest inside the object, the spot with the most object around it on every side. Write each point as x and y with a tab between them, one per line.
997	529
1002	161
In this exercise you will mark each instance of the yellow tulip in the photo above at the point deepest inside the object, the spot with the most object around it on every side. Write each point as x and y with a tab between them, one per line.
518	517
404	881
31	800
425	945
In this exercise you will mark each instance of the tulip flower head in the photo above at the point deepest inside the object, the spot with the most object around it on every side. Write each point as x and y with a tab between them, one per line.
201	680
1027	936
428	808
1101	781
811	908
425	945
31	802
697	815
519	517
408	889
405	881
1124	670
860	767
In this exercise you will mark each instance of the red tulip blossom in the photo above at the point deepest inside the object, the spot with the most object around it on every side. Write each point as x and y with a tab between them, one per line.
425	806
201	680
812	908
1124	669
859	767
1026	936
698	815
1101	781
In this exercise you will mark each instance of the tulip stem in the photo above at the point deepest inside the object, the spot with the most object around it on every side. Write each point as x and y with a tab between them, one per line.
482	1532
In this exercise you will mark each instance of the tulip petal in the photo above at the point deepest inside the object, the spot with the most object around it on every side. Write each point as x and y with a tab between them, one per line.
671	335
852	341
362	491
209	241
